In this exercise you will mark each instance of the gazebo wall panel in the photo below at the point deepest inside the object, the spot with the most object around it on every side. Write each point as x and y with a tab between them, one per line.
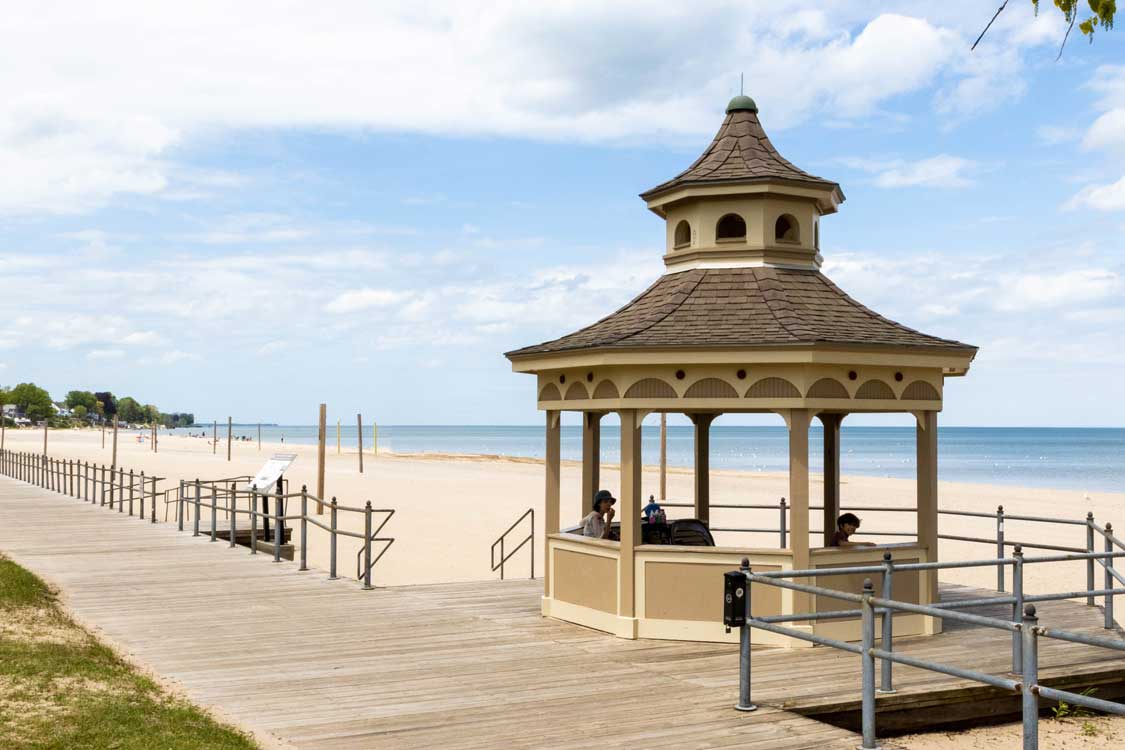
876	389
606	389
920	390
651	388
576	392
773	388
550	392
711	388
828	388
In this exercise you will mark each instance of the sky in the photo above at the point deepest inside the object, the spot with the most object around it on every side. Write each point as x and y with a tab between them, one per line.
251	209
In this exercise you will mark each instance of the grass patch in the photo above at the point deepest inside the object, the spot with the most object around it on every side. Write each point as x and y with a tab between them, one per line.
61	688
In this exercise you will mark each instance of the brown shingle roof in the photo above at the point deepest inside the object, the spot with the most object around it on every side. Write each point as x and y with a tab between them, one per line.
740	152
742	307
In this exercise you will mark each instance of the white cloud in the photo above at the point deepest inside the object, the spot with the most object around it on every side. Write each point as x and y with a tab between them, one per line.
1108	130
143	338
1109	197
75	135
98	354
1037	291
364	299
942	170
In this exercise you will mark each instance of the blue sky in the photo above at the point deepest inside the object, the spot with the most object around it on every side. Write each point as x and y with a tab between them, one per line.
250	212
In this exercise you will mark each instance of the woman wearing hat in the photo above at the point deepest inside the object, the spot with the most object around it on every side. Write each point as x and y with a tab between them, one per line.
599	522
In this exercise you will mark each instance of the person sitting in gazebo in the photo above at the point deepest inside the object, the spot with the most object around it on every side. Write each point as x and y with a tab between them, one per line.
846	525
598	523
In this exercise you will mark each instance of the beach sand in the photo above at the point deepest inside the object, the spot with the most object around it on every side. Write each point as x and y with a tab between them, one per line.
449	509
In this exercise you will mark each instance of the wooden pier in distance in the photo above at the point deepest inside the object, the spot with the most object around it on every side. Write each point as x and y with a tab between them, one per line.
323	664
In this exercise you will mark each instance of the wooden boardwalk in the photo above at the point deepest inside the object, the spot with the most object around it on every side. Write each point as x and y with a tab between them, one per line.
323	664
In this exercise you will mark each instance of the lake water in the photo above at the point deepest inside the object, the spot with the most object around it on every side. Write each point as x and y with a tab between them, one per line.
1065	458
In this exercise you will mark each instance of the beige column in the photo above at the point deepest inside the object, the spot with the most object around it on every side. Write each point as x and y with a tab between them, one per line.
927	501
552	461
663	456
591	457
831	424
703	466
799	420
629	510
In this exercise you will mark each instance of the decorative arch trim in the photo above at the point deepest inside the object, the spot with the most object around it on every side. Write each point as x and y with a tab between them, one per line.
550	393
827	388
920	390
876	389
576	392
606	389
773	388
711	388
650	388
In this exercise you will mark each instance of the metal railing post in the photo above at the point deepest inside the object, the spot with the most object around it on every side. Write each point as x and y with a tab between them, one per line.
277	528
1090	562
332	542
180	507
214	514
253	520
152	507
1017	609
367	546
1030	693
1109	578
121	498
784	525
1000	547
868	664
101	486
501	558
232	511
744	701
142	514
304	527
132	492
886	678
532	543
195	521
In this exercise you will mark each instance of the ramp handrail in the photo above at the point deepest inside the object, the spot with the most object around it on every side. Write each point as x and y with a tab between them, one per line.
505	556
1023	626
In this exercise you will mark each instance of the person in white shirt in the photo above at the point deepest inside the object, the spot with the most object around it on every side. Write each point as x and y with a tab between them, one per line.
599	522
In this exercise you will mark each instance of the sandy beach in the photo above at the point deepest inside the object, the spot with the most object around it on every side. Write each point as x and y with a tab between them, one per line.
449	509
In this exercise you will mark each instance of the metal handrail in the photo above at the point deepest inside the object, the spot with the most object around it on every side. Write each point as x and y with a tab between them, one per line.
1023	626
504	557
370	536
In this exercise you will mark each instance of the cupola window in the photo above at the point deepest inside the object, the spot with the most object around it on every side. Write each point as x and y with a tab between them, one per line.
786	229
730	228
682	237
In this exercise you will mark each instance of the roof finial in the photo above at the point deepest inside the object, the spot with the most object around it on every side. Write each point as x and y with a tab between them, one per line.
741	90
741	102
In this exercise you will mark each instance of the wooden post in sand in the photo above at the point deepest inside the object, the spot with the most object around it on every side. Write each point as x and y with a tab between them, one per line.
321	435
103	434
3	427
359	436
663	456
44	437
215	437
113	463
228	437
374	438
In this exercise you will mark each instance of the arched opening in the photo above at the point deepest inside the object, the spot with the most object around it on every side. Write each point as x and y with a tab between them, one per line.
730	228
682	238
786	229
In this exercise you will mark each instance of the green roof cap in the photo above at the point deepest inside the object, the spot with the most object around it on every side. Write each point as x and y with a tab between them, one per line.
741	103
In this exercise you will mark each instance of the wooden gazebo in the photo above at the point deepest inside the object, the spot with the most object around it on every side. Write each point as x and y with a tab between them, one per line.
742	321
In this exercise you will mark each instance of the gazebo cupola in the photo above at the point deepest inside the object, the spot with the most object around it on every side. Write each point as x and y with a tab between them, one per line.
742	321
741	204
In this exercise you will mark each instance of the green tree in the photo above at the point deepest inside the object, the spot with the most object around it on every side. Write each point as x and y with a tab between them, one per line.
152	414
33	401
80	411
107	404
84	399
128	410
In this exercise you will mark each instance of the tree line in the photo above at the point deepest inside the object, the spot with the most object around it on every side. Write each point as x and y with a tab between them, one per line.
36	404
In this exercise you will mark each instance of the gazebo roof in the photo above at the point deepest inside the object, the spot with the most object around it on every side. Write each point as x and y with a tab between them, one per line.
743	308
740	152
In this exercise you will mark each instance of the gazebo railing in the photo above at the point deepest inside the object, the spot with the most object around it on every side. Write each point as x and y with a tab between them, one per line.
999	540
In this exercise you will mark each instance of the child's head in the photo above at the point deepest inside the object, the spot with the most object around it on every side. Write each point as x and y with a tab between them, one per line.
848	523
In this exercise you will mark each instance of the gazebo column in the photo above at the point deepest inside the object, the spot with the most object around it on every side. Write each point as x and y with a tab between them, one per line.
629	516
927	500
702	424
552	456
831	424
799	421
591	457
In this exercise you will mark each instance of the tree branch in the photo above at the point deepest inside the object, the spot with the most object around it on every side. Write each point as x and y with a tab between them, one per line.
989	26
